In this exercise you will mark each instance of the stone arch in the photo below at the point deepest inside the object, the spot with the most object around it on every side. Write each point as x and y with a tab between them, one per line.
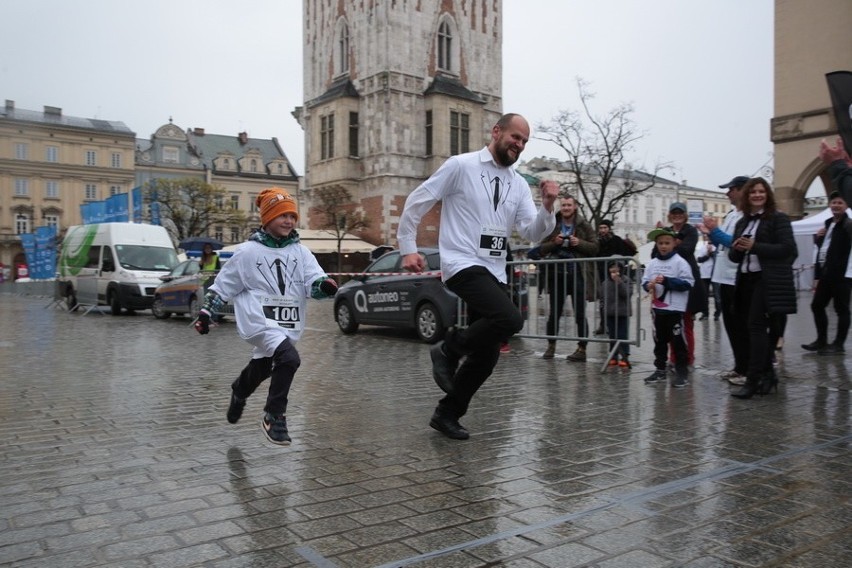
802	104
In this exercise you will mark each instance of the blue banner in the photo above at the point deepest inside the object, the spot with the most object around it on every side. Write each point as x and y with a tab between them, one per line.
155	213
98	211
45	254
116	208
29	245
136	194
40	251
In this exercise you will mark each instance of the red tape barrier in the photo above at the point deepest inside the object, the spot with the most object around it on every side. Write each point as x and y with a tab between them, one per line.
433	273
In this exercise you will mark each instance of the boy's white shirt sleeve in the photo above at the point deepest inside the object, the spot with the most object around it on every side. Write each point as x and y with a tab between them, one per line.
228	282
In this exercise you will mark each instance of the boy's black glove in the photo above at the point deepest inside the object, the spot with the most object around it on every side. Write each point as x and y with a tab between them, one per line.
202	324
328	287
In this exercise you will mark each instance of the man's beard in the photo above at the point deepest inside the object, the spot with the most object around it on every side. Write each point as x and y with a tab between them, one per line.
503	157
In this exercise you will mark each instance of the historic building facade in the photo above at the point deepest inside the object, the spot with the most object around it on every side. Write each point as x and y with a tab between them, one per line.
242	165
50	164
391	90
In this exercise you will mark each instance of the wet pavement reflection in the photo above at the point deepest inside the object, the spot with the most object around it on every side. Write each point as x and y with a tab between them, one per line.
116	452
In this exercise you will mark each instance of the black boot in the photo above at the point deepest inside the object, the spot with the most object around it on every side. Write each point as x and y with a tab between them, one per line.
768	382
749	389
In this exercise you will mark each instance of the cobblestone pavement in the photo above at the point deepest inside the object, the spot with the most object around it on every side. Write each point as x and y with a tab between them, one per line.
116	452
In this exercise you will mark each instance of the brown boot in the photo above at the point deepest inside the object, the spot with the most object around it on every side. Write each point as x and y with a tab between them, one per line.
550	351
579	355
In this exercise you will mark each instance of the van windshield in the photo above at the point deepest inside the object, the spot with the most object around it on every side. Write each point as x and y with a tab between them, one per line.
140	257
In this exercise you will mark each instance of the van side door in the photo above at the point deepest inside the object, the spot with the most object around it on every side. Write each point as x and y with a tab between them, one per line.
88	277
106	272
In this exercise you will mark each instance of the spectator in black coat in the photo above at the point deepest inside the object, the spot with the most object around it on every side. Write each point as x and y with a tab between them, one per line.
830	280
764	250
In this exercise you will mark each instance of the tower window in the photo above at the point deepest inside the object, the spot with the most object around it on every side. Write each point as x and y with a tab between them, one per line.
353	135
445	46
428	132
327	137
343	49
459	133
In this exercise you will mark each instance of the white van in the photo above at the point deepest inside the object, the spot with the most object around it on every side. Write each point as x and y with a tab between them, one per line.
114	264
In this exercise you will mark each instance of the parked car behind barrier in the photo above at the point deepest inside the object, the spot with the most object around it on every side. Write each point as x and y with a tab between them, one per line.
384	295
183	291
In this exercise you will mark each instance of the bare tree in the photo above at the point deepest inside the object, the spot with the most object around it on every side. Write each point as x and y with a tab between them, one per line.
597	149
340	215
190	207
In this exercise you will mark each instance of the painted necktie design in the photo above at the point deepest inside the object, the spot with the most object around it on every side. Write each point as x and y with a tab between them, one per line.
496	192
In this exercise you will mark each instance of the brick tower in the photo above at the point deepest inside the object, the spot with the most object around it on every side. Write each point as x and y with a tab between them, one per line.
391	89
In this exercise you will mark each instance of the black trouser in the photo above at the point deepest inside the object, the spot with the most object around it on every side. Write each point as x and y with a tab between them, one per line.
669	329
735	327
567	283
281	366
751	300
492	319
829	289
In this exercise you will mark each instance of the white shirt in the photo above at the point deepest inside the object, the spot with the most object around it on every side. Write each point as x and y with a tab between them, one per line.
725	270
706	267
826	242
471	226
249	280
849	267
673	267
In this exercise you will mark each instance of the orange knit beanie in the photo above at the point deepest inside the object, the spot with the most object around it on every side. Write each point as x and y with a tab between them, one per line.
273	202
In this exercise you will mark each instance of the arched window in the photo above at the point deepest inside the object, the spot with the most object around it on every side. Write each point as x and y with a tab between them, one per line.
342	47
445	47
253	166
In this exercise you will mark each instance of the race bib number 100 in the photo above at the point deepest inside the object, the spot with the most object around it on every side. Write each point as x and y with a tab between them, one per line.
282	312
493	242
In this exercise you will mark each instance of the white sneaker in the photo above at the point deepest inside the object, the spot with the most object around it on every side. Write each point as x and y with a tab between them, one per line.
738	381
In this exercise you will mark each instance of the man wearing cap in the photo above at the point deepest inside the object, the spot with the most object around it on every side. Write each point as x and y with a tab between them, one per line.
268	280
724	276
833	244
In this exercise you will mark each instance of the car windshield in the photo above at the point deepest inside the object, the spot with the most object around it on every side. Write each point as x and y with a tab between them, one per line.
140	257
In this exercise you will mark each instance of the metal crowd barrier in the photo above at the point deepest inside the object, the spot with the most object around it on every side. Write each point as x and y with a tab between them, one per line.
537	285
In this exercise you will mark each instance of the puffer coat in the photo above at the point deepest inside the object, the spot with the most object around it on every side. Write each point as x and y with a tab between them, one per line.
776	250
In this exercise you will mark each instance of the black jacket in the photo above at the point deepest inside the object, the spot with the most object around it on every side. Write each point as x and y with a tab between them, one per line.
776	250
837	254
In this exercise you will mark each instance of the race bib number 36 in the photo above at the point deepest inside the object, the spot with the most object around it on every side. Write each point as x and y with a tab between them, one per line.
282	312
493	242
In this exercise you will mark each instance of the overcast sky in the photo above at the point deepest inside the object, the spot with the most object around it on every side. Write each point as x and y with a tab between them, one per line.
699	74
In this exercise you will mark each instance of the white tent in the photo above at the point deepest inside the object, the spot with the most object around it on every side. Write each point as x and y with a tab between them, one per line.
804	231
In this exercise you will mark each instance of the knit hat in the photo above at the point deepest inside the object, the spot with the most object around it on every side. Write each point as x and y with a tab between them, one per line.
273	202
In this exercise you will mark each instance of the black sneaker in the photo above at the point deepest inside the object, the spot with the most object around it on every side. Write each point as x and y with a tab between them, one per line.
275	428
443	367
815	346
655	377
235	409
680	382
830	349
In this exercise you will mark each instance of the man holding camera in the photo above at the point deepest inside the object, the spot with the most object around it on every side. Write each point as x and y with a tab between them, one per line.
573	237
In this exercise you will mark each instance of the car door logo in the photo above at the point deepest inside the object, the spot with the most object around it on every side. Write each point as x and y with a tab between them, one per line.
376	302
